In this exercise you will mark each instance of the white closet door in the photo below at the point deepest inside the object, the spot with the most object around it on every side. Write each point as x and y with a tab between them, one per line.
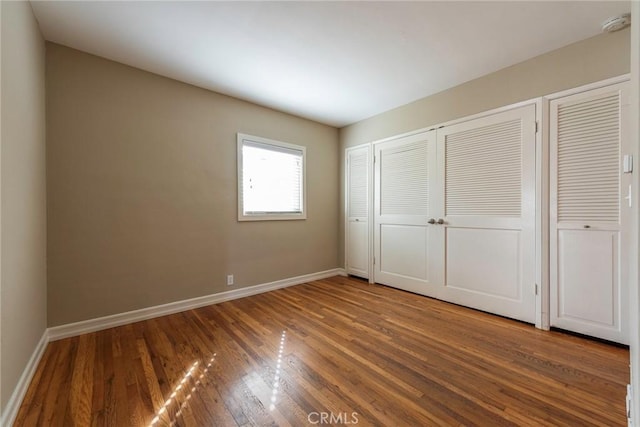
408	250
488	169
586	143
357	204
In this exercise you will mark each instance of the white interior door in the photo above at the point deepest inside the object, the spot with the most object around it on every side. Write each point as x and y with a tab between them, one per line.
357	224
408	250
488	170
588	212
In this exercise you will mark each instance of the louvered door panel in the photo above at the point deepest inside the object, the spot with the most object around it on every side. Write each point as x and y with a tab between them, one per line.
588	155
358	164
586	140
357	201
484	170
405	180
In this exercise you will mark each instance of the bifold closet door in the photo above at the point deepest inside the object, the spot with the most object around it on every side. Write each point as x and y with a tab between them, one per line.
357	204
488	171
408	249
589	216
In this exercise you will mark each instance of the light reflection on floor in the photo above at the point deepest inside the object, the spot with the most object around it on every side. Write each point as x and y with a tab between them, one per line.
179	388
276	379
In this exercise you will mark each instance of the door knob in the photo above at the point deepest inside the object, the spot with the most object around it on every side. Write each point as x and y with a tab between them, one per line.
431	221
440	221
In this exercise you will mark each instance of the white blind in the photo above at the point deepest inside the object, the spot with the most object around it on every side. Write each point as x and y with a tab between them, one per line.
358	183
483	170
271	179
404	179
588	159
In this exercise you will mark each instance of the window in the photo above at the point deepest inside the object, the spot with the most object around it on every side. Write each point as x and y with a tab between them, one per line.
271	179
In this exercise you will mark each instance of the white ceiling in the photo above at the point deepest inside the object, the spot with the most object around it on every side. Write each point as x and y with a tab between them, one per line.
333	62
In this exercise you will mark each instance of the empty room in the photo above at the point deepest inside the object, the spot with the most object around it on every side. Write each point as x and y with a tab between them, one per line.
301	213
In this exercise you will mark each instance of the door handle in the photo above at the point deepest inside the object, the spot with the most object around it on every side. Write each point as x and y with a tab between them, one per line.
586	226
431	221
440	221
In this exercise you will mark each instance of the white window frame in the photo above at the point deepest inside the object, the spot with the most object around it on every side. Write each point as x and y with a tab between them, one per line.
270	216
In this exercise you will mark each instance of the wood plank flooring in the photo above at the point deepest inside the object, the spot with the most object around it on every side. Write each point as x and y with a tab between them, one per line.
330	352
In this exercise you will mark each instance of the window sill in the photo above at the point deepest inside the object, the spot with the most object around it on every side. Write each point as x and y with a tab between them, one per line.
272	217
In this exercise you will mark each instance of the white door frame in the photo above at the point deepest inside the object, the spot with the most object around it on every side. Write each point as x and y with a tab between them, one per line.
542	314
544	180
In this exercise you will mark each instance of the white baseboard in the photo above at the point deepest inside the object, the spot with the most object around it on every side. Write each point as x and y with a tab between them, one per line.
13	405
92	325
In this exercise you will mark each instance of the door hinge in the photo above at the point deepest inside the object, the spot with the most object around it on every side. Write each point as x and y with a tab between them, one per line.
374	260
374	159
535	288
629	400
536	127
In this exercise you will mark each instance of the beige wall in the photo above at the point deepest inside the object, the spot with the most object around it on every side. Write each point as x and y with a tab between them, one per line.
23	212
142	191
591	60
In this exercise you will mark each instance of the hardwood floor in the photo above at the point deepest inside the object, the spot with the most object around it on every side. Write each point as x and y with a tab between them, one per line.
335	351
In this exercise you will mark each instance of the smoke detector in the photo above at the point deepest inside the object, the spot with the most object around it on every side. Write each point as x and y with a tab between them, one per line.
616	23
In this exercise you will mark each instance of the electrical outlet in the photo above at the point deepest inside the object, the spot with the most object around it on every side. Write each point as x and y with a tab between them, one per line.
229	279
